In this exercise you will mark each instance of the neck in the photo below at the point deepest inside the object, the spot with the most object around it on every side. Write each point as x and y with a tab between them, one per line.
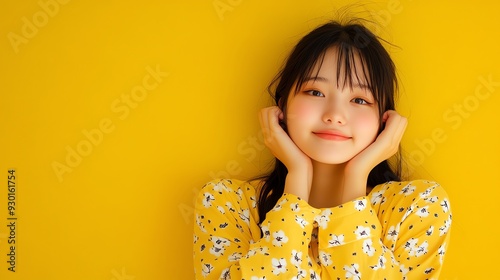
327	185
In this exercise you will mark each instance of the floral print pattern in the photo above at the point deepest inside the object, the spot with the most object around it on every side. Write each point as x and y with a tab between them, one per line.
398	231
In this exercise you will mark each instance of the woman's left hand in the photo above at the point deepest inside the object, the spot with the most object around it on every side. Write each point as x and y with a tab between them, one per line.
385	145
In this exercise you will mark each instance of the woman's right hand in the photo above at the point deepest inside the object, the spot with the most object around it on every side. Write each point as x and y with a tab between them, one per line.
299	177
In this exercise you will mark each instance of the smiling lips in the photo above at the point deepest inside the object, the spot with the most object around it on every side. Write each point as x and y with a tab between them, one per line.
332	135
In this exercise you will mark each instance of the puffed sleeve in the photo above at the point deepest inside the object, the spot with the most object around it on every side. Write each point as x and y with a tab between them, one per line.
399	232
418	217
229	244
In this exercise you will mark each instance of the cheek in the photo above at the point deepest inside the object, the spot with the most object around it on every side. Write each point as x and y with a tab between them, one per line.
368	124
299	112
299	118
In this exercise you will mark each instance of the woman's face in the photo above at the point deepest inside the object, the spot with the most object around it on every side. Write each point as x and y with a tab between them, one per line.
330	122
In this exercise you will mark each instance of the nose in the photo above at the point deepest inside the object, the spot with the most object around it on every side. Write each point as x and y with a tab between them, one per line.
334	113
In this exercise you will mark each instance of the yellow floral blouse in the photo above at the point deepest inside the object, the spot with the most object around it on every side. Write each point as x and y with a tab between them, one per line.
399	231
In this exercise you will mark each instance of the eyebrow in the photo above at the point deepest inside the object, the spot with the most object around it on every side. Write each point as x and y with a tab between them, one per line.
325	80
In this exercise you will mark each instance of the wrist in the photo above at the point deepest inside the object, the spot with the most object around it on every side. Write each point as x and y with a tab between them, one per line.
354	187
298	182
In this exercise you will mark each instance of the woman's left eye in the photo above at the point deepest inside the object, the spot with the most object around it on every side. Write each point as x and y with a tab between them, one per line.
360	101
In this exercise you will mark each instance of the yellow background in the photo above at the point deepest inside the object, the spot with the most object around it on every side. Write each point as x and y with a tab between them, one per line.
73	68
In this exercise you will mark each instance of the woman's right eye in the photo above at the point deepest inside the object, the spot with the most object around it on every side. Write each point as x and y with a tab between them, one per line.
315	93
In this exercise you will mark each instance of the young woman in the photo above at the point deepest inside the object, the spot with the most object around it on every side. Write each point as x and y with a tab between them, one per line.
332	208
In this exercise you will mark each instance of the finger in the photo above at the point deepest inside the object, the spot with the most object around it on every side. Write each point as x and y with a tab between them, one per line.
401	128
394	127
269	123
399	121
273	118
391	117
385	116
390	114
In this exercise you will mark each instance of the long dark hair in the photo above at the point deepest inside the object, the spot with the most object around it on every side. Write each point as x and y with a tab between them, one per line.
352	40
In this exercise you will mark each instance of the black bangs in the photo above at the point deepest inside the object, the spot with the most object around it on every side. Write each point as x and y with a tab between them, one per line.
352	42
347	71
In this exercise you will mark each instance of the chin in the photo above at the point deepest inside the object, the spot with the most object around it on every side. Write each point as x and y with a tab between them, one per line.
332	160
